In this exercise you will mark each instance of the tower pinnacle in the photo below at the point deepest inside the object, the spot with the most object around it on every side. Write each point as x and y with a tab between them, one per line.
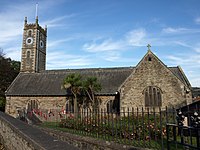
25	20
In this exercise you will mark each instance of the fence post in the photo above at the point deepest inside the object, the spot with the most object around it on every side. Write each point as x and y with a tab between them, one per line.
198	133
174	133
128	126
143	128
161	129
168	143
133	119
149	126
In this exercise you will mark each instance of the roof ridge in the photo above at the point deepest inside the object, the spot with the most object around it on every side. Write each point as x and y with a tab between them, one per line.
86	69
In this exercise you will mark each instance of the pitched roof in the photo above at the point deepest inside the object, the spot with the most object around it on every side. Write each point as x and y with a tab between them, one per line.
177	71
49	82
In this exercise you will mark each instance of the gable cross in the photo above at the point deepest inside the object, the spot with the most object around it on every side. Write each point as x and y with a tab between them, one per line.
148	46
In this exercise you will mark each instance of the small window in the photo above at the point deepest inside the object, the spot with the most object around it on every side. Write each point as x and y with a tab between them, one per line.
149	59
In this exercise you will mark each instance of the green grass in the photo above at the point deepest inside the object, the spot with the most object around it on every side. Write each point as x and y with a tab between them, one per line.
104	131
120	140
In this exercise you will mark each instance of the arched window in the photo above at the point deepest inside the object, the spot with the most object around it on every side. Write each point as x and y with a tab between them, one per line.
29	33
153	97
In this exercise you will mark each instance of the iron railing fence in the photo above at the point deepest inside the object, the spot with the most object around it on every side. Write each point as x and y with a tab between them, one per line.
186	137
140	127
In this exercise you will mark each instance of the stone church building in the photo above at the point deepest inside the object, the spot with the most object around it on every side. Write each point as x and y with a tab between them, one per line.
149	84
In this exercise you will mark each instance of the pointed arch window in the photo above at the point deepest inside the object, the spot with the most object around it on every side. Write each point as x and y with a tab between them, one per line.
29	33
153	96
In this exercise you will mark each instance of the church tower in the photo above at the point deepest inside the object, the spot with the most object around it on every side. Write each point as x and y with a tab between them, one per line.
33	57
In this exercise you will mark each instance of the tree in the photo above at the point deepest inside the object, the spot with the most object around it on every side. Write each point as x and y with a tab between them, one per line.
1	53
91	86
9	69
73	83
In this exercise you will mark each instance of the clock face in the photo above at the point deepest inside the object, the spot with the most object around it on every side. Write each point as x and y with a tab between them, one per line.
41	44
29	41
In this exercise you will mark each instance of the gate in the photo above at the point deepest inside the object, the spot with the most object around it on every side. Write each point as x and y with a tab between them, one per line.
180	136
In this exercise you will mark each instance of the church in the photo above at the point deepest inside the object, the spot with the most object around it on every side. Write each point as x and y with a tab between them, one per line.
149	84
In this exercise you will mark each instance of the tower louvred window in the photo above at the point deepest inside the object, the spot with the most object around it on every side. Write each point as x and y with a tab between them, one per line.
29	33
28	60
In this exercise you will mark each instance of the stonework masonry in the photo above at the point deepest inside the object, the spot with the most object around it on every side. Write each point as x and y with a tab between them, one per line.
17	135
45	103
15	103
33	48
153	73
150	84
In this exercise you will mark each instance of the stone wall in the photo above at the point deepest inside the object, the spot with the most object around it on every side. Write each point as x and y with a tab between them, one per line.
17	135
15	103
152	72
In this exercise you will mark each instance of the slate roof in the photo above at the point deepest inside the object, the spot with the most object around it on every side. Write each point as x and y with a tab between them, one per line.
180	74
48	83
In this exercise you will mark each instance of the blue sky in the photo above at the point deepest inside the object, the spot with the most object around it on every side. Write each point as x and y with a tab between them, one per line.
108	33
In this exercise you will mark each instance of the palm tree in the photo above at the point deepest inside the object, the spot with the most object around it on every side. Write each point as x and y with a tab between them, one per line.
91	86
73	83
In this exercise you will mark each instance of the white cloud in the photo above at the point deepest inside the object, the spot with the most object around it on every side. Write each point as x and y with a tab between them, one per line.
10	28
14	53
55	43
197	20
192	60
170	30
181	43
106	45
195	81
112	56
59	60
56	22
190	64
196	47
136	37
174	30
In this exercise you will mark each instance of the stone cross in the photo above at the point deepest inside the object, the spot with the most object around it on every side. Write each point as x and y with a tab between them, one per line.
148	46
